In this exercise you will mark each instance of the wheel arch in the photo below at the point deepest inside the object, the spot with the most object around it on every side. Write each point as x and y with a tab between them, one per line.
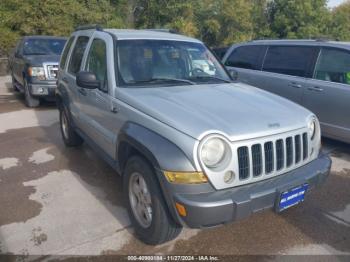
161	153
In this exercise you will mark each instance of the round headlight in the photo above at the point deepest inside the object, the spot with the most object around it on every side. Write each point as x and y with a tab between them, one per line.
312	128
213	152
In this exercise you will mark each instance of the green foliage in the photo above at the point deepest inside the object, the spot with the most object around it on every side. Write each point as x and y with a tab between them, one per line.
261	19
216	22
340	25
299	18
224	22
52	17
174	14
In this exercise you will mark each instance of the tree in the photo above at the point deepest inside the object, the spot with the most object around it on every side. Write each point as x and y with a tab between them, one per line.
299	18
32	17
261	19
340	25
171	14
224	22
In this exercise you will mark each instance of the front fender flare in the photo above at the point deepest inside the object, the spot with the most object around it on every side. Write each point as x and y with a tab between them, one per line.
159	151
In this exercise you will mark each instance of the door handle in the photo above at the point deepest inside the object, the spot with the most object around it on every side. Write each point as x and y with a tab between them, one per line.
295	85
64	79
316	89
114	108
82	91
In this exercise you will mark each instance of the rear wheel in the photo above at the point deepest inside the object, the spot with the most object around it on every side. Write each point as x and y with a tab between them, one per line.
147	209
29	99
70	137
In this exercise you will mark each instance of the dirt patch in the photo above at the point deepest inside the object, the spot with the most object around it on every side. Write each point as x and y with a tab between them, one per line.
38	237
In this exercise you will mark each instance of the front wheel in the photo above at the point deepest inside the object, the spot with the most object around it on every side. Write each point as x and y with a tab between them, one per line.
29	99
13	83
149	214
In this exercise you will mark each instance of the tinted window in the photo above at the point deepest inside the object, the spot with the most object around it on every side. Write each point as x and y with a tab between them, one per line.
333	65
220	51
249	57
289	60
77	54
42	46
65	52
97	62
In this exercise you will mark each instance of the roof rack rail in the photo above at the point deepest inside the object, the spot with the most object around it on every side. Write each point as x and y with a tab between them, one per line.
87	27
263	39
164	30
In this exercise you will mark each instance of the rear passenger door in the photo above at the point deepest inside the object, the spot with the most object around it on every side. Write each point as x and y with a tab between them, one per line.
286	68
246	61
328	93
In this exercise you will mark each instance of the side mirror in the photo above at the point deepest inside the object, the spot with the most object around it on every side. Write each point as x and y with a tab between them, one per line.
87	80
18	55
233	74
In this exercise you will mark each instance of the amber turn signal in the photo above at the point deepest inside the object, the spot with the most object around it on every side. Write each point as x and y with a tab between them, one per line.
185	177
181	209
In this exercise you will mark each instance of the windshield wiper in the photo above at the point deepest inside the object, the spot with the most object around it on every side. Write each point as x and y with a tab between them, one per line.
211	77
152	80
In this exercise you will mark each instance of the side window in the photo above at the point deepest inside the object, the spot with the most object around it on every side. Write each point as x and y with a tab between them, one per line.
290	60
333	65
248	57
65	52
97	62
77	54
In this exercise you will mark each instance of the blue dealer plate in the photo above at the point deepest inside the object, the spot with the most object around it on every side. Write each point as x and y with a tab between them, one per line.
292	197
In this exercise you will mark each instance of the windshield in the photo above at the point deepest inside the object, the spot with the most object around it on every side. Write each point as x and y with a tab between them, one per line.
165	62
40	46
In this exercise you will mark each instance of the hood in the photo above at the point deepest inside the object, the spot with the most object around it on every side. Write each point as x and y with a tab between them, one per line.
236	110
38	60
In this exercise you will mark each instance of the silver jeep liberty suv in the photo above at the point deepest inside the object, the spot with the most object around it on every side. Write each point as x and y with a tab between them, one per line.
193	147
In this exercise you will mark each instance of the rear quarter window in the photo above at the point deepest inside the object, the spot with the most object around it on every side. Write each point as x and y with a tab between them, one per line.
248	57
334	66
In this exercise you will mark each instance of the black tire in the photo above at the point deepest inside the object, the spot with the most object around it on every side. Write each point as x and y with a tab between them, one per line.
69	136
29	99
163	228
13	84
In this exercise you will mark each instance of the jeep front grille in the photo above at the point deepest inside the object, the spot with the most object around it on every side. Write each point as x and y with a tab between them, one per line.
277	155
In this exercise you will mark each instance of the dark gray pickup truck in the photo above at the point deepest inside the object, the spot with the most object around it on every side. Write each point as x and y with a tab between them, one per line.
34	65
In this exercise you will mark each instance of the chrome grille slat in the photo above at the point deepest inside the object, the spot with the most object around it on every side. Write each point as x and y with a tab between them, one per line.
280	154
297	147
305	146
257	160
243	162
51	71
272	156
289	151
269	157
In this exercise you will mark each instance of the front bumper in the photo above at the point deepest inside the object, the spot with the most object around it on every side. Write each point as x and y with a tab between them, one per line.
219	207
43	89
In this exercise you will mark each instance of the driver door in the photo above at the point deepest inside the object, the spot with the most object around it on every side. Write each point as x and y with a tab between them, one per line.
97	111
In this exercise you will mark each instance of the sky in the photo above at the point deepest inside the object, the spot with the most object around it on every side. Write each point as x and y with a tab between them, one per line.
333	3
